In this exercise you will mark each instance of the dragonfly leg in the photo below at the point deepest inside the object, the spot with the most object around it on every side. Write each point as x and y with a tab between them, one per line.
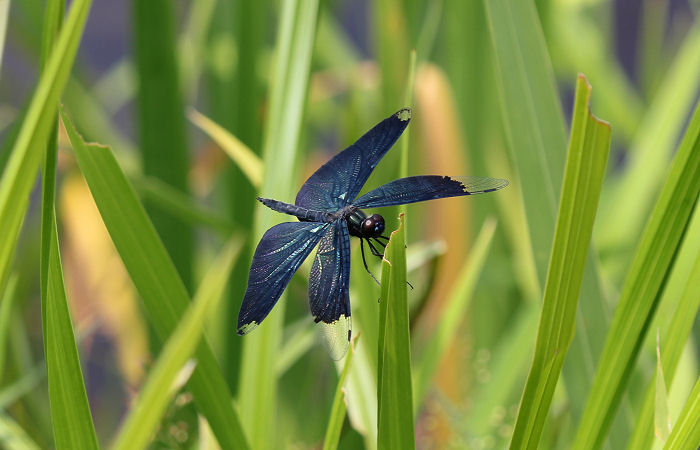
364	261
380	242
374	250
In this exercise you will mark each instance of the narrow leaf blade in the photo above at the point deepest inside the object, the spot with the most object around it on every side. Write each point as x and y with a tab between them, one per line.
158	389
587	157
23	163
164	296
642	288
395	416
686	433
536	139
337	416
70	412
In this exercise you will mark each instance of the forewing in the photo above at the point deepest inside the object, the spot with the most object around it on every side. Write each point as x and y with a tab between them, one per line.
427	187
329	281
279	254
336	183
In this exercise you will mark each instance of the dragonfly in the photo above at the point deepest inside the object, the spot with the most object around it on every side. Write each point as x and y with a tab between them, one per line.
329	213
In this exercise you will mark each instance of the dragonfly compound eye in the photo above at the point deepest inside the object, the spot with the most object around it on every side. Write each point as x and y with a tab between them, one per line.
373	225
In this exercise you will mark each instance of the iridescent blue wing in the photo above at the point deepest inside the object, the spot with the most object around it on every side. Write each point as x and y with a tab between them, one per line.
329	281
427	187
279	254
336	183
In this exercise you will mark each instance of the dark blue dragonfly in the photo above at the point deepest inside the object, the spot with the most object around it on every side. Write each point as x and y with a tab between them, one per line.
329	214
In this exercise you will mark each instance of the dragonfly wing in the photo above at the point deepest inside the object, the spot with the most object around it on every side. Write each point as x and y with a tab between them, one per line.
336	183
427	187
329	281
279	254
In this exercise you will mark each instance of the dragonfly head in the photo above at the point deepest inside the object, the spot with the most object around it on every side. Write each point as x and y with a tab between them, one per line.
372	226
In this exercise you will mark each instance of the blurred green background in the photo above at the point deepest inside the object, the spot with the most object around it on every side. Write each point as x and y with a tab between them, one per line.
145	68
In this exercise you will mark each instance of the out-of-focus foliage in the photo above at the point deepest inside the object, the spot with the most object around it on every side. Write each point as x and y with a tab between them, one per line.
281	87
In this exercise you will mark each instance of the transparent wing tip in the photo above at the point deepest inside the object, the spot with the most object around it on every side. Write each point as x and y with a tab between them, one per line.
336	336
247	328
404	114
481	185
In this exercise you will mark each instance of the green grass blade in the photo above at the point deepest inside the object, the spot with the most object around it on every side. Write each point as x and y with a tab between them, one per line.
6	304
70	412
249	163
161	121
161	384
53	18
674	337
13	436
258	377
453	313
525	74
587	156
153	273
362	380
337	416
622	214
640	294
537	141
23	163
662	420
686	433
394	393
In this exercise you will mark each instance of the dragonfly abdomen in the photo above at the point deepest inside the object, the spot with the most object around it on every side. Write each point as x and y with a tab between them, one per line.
303	214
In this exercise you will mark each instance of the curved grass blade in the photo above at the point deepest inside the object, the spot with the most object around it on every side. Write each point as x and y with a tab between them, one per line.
394	388
6	304
686	433
13	436
589	146
674	336
23	163
258	377
249	163
53	18
70	412
453	313
361	392
629	202
164	296
536	139
337	416
161	384
642	289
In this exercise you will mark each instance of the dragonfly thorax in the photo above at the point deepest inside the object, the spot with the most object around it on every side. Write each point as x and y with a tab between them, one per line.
362	226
